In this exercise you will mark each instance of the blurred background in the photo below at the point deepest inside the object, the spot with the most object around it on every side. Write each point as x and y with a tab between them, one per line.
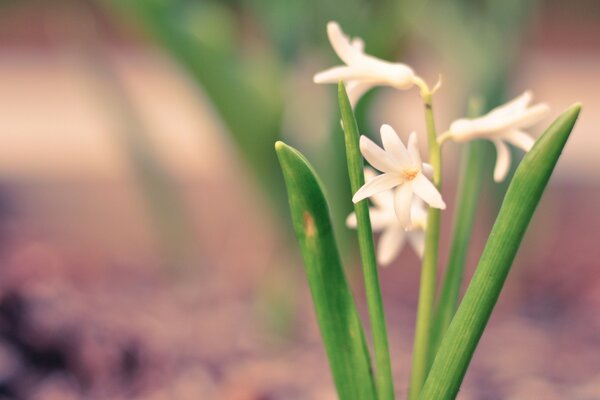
146	249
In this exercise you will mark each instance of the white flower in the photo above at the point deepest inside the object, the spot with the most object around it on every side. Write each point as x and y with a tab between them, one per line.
502	124
362	71
384	220
402	169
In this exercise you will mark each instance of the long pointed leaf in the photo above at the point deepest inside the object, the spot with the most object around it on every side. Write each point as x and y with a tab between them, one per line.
339	322
520	202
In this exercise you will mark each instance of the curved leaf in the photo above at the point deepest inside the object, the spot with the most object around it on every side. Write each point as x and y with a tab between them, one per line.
334	305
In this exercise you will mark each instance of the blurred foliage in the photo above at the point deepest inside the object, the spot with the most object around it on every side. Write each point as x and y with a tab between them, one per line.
244	53
241	52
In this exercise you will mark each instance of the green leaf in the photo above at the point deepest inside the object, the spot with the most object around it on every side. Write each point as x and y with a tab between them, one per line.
340	324
520	202
385	383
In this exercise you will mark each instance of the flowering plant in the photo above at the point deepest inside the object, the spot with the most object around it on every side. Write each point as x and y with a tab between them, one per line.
407	202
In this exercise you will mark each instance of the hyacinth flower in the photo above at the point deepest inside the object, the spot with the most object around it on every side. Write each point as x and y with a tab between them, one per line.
449	324
384	220
502	124
402	170
362	72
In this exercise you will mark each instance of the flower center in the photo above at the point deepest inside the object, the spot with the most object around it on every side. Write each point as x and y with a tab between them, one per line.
410	173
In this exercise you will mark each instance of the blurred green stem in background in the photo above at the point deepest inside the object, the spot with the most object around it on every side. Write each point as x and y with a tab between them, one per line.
174	231
244	93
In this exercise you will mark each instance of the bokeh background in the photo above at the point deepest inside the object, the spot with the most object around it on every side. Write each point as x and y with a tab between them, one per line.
146	249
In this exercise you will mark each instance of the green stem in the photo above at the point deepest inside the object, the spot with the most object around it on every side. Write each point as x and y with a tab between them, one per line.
384	380
429	268
467	196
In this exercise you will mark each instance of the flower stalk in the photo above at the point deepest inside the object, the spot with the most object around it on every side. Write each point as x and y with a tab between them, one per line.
427	285
383	378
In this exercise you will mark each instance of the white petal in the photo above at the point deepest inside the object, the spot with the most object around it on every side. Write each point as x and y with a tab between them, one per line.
389	245
520	139
427	191
369	174
519	119
518	103
339	73
418	214
356	89
460	128
427	169
384	200
346	51
402	204
531	116
378	184
417	241
394	146
413	149
379	220
358	44
376	156
502	161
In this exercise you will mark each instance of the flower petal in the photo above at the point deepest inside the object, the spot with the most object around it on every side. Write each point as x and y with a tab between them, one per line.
418	214
348	52
519	119
417	241
389	245
427	191
413	149
383	200
519	103
427	170
531	116
394	146
358	44
339	73
502	161
376	156
520	139
351	221
356	89
402	204
379	220
378	184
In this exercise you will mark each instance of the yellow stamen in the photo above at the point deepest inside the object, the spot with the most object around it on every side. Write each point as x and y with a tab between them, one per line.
410	174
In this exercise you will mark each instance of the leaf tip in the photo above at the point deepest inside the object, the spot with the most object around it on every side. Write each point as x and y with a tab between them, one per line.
576	108
279	146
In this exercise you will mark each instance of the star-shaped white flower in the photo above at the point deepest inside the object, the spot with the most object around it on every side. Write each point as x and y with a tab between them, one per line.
402	169
384	220
362	71
502	124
